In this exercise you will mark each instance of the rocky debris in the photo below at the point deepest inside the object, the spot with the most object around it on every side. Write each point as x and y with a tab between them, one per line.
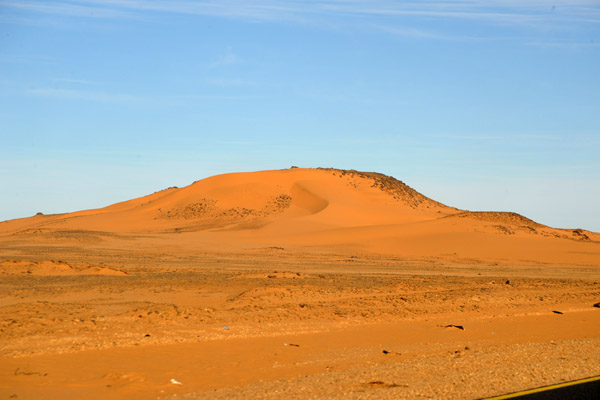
399	190
462	328
209	208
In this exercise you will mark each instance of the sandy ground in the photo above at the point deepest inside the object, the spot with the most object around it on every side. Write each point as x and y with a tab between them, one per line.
293	288
311	332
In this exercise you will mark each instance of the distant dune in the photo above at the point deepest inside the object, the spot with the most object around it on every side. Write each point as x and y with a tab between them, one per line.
312	210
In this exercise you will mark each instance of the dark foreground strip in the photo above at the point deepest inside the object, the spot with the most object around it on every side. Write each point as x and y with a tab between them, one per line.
582	389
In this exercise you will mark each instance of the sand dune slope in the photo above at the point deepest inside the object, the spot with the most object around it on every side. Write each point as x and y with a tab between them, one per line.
317	210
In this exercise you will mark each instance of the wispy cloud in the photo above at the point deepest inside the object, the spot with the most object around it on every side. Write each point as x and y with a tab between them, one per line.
236	142
229	58
77	81
569	44
445	11
224	82
394	17
415	33
509	10
86	95
208	97
128	99
69	9
25	59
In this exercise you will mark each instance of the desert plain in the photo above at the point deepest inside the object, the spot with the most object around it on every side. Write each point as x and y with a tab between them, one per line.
297	283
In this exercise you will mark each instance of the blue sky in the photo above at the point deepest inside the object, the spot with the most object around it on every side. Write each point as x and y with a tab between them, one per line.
483	105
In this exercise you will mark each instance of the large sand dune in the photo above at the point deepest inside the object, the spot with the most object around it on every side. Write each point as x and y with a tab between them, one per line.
313	210
299	283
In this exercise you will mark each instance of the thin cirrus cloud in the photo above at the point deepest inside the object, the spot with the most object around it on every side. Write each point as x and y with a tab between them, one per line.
127	99
69	94
68	9
229	82
25	59
524	13
415	33
78	81
415	20
229	58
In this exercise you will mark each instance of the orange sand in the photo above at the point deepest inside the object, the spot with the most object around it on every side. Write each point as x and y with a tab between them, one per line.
115	302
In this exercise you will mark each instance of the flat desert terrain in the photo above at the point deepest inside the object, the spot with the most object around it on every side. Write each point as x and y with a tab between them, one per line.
298	283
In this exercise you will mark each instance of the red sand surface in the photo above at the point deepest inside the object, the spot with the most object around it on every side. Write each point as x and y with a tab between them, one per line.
291	284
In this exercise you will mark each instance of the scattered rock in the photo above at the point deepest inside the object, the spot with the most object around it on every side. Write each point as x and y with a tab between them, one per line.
579	234
462	328
597	305
175	382
382	384
556	312
291	344
28	373
507	282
